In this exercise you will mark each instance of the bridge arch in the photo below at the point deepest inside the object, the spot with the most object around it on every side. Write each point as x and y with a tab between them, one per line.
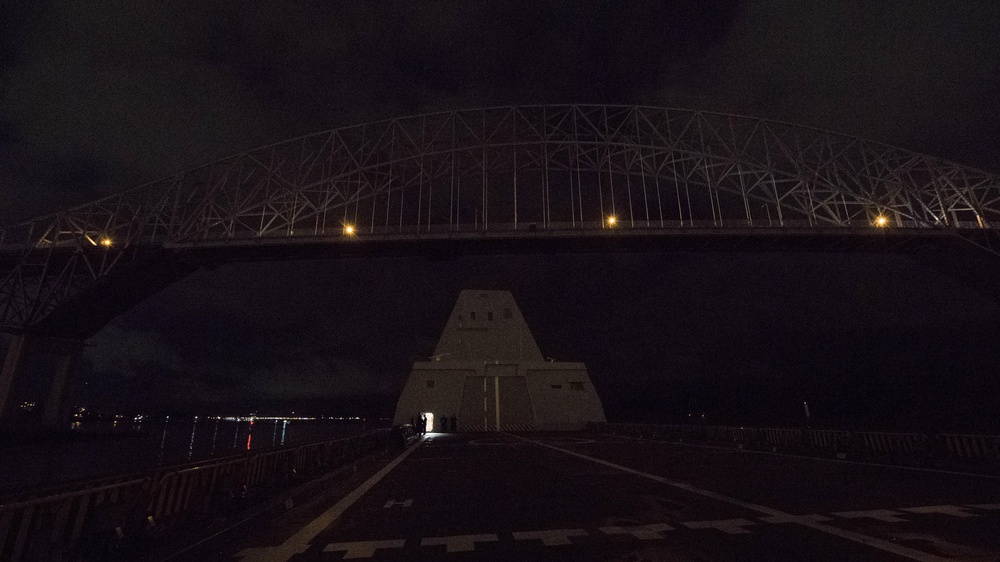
512	174
567	170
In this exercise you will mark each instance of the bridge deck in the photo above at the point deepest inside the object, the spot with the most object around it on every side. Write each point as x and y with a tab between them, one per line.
593	497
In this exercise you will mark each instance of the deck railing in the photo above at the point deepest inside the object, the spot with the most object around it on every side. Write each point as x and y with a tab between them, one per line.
90	520
882	445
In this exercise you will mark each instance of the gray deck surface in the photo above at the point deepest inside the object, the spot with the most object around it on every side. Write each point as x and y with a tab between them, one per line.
533	497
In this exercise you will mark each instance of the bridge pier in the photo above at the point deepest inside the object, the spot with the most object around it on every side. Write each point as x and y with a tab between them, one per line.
53	358
12	364
57	403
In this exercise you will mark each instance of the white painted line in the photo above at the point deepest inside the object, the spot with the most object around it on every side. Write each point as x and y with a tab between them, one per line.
730	526
884	515
299	542
985	505
804	457
459	543
642	532
952	510
551	537
795	518
363	549
873	542
393	503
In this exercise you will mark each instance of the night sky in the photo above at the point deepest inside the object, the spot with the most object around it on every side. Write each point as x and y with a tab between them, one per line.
98	97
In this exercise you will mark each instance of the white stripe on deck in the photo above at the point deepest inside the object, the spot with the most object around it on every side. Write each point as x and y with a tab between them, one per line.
551	537
794	518
299	542
883	515
649	532
363	549
728	526
459	543
873	542
952	510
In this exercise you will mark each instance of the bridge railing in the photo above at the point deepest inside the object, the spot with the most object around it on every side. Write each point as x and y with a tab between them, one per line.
621	225
579	228
918	448
93	519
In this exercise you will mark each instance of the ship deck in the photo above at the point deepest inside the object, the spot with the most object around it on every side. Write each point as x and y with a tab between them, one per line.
588	497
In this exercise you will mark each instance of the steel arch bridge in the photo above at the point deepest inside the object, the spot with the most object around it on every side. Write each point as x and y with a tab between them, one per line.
502	175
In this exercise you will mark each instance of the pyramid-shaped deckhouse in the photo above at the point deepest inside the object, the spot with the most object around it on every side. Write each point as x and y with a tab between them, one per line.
488	372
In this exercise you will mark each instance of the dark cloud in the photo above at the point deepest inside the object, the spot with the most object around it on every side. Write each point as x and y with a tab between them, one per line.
922	75
145	92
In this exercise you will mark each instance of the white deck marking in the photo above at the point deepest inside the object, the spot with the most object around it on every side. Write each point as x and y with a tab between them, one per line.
299	542
458	543
730	526
985	505
363	549
643	532
952	510
794	518
393	503
873	542
551	537
884	515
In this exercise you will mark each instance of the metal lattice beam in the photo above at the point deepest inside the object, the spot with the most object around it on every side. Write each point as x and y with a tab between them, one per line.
495	171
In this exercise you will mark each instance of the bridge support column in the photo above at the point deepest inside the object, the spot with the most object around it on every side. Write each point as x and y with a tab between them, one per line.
54	359
12	365
57	404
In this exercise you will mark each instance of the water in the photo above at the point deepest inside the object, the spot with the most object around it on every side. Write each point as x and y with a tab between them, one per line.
122	446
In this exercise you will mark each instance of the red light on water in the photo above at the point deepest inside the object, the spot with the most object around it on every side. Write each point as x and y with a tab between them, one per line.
249	437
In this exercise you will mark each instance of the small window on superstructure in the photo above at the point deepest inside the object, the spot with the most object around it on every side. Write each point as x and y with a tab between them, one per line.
576	386
507	314
489	316
556	386
430	384
472	316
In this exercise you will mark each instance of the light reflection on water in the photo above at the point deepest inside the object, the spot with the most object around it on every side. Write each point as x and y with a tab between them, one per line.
163	441
215	436
182	441
194	430
149	443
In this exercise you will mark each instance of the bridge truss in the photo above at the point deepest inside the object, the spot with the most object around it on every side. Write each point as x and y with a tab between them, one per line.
576	170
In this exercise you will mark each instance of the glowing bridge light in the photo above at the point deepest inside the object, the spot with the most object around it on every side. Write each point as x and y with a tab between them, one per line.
349	229
881	221
612	220
106	242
